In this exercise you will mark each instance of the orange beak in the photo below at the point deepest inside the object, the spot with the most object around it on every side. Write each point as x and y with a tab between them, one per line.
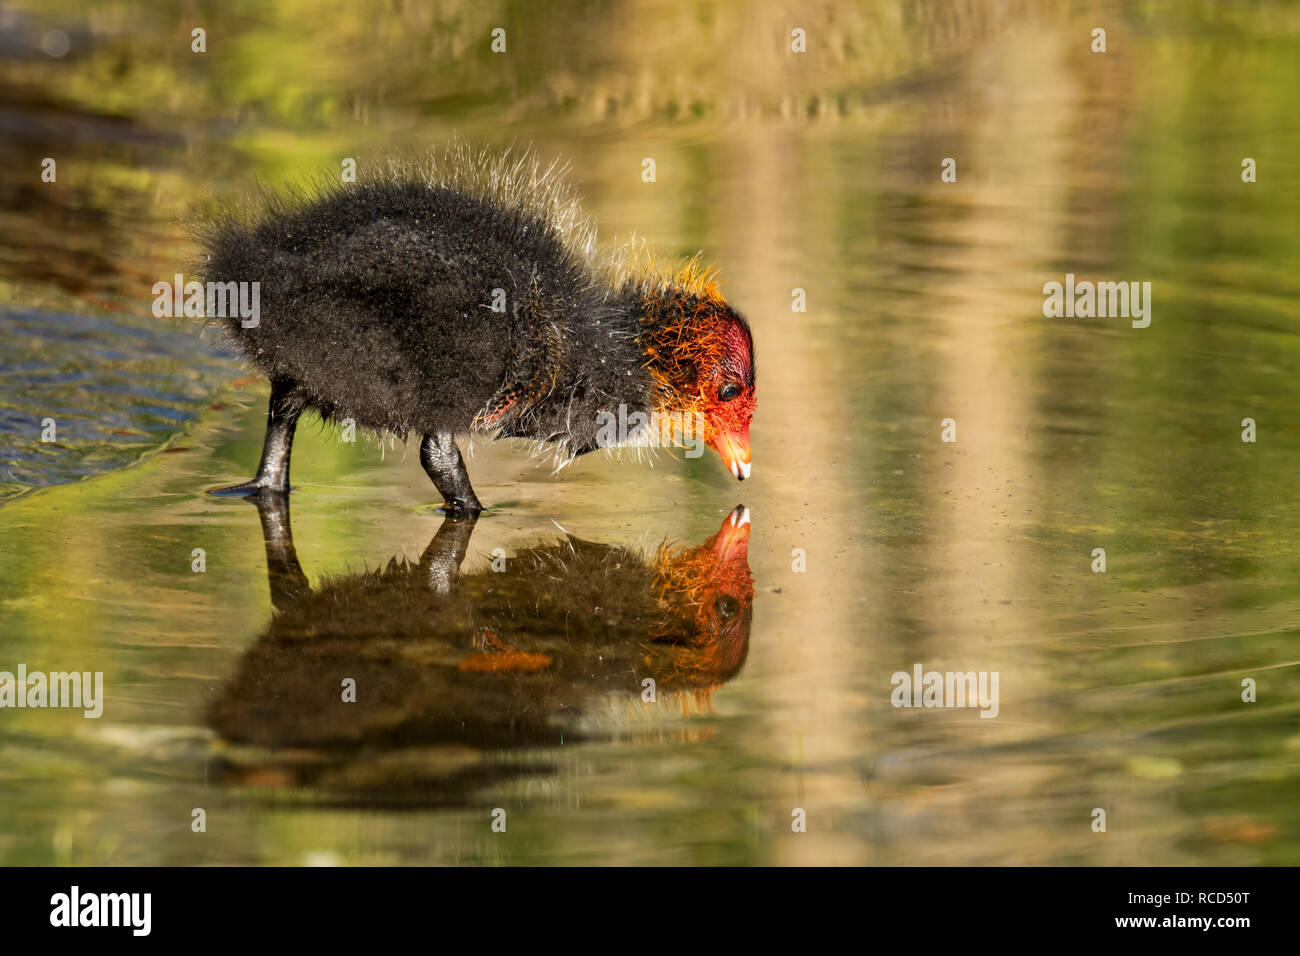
734	449
732	539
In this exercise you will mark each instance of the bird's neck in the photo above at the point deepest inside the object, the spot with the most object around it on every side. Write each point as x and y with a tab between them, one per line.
623	371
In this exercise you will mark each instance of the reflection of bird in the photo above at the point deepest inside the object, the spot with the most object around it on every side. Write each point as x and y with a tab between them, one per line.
468	294
492	658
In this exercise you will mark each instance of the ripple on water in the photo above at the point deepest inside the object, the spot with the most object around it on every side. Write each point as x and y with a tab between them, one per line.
115	386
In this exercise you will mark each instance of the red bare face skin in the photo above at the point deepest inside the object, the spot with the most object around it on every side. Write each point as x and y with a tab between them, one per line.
700	354
730	397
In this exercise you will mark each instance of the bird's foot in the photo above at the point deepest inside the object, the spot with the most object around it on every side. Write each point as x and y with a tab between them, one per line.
248	488
462	508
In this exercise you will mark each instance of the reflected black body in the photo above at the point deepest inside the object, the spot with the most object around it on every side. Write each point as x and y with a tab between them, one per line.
488	660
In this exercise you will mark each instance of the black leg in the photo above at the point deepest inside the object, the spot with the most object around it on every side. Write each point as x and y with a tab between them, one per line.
283	571
273	472
441	459
443	557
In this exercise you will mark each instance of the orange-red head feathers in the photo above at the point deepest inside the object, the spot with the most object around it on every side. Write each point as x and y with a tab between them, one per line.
700	354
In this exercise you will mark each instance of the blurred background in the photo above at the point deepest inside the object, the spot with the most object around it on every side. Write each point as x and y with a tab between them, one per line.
817	171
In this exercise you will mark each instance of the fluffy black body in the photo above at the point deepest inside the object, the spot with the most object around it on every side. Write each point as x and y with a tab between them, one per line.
376	305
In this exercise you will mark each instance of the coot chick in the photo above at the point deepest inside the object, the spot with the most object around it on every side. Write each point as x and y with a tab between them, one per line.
467	294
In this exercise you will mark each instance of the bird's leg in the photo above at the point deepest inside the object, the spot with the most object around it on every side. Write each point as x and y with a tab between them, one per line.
443	557
441	460
273	472
283	571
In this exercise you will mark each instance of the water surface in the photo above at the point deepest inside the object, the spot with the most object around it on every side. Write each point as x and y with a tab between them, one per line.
1118	690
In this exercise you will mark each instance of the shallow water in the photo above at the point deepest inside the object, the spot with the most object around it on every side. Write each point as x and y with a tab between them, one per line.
1118	690
99	390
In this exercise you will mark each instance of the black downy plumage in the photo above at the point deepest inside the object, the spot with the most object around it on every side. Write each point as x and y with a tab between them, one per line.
377	305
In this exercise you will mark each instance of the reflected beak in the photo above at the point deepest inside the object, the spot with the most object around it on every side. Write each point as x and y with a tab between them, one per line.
732	540
734	449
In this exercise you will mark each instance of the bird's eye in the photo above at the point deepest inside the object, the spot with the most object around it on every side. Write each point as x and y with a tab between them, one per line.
729	391
726	606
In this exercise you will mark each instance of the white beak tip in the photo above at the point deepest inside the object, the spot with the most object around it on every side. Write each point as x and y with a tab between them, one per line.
740	469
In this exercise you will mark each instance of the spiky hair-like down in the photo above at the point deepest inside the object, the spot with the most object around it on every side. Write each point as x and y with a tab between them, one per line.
512	178
509	177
